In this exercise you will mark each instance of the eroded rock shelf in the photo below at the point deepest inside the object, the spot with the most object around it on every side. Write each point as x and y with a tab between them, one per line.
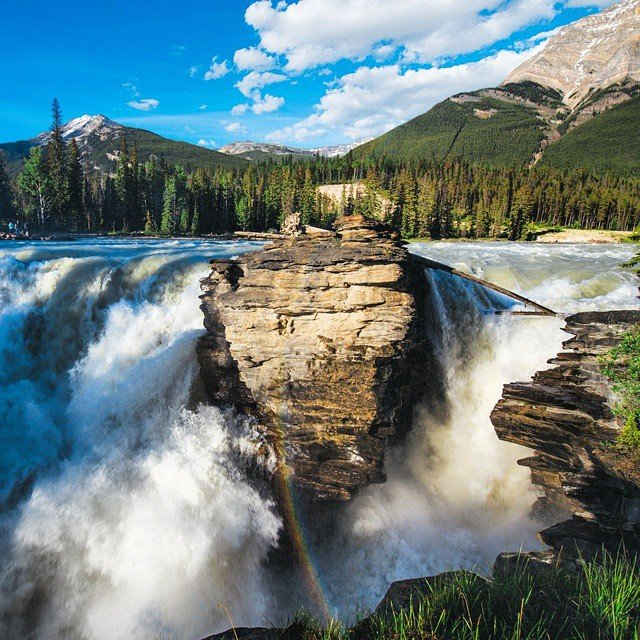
317	337
566	416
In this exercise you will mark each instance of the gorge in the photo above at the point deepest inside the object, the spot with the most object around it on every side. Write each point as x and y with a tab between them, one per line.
124	490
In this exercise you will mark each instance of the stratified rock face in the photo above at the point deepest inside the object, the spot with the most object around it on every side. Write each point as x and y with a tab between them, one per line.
593	53
566	416
317	337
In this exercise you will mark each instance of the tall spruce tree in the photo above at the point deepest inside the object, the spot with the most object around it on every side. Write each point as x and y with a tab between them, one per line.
56	153
6	195
75	181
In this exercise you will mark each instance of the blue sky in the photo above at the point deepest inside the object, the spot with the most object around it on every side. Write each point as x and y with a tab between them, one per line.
305	72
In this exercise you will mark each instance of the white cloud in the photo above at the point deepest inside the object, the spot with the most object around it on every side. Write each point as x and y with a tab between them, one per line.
178	49
239	110
253	59
310	33
254	81
217	70
235	127
373	100
207	143
600	4
266	104
132	87
146	104
203	107
192	71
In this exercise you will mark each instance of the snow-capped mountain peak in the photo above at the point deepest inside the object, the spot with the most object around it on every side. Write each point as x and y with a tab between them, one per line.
592	53
82	127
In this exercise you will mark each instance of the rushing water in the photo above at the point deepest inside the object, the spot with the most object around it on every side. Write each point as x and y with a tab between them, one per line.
125	508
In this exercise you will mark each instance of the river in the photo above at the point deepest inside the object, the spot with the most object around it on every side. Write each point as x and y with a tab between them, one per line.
125	508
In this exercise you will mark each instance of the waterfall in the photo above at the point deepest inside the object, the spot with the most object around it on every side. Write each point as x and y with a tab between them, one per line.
125	508
125	514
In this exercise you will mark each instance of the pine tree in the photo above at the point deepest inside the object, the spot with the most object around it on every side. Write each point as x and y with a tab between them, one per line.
149	226
195	222
56	168
75	181
170	207
6	196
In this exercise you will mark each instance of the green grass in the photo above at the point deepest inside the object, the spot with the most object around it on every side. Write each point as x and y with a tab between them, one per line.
599	600
622	366
609	142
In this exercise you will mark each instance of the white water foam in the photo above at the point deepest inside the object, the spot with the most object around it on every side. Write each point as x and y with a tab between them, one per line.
140	519
126	514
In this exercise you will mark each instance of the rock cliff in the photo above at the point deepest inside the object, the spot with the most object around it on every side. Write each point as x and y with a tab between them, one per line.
590	54
565	415
317	337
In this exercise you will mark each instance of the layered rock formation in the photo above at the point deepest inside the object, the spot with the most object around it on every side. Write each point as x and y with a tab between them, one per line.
590	54
565	415
317	337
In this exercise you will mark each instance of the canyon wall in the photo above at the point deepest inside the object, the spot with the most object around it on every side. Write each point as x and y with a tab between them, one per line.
591	487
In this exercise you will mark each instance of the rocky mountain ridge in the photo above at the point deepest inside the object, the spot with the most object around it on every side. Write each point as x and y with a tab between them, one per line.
591	54
261	150
574	104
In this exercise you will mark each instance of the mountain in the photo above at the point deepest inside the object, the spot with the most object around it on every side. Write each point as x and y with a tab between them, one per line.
98	138
575	103
257	151
593	53
264	151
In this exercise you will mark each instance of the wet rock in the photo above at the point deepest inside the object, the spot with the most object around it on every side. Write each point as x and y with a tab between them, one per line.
317	337
402	593
566	415
248	634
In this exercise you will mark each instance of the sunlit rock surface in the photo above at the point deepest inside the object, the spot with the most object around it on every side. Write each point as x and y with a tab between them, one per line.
317	337
565	415
590	54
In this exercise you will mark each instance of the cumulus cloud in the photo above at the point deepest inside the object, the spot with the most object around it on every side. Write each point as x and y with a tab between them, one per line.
235	127
203	107
266	104
308	33
373	100
192	71
146	104
217	69
207	143
253	59
239	109
254	81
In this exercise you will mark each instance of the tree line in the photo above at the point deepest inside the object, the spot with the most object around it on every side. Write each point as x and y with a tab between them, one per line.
57	189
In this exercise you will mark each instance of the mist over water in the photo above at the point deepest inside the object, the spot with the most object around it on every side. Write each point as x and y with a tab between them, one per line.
125	508
455	495
124	514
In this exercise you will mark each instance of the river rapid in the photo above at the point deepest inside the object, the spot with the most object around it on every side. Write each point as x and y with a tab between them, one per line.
125	507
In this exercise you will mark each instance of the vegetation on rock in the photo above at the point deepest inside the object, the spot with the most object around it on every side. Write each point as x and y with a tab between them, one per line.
622	366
